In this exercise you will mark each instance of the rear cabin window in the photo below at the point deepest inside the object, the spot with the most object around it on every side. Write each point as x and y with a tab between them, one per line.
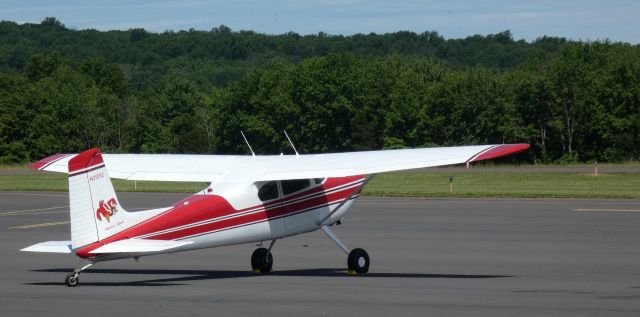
294	185
268	191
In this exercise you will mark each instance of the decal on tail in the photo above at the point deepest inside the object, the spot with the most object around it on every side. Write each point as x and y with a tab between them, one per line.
107	209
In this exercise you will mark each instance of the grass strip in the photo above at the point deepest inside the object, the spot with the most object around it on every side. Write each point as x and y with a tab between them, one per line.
526	185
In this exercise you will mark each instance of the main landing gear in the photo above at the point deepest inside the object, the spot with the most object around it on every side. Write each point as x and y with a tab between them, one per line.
73	279
358	259
262	259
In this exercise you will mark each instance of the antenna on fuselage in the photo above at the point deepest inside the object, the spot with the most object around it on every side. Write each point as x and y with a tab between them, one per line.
249	145
288	138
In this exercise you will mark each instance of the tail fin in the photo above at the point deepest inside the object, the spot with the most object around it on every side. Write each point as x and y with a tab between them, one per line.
96	213
95	209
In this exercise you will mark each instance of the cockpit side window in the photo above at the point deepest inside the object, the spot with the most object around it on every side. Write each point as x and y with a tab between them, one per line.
268	191
294	185
318	181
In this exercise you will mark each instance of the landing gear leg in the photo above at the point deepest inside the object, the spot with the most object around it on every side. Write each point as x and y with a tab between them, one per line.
357	260
262	259
73	279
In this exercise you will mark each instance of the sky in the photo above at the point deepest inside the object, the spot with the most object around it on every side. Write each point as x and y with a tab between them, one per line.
616	20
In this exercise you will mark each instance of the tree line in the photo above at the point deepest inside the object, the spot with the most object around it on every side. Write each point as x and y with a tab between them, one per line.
64	90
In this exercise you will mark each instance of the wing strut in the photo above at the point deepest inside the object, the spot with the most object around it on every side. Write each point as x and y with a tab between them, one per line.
335	239
353	193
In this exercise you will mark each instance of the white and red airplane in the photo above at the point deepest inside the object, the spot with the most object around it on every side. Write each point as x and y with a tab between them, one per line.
250	199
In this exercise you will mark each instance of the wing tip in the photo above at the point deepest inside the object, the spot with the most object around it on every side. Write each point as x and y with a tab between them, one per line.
500	150
43	163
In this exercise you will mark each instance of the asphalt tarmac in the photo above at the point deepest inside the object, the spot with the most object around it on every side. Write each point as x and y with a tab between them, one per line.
430	257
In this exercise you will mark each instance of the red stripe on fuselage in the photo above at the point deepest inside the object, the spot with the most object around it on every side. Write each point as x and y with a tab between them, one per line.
267	214
287	202
188	213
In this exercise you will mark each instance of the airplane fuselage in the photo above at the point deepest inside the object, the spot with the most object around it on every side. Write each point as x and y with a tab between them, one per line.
241	213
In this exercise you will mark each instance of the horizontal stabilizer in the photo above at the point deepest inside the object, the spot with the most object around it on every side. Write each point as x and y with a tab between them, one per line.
139	245
50	247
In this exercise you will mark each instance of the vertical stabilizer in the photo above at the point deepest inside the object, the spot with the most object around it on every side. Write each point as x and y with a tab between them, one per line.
95	209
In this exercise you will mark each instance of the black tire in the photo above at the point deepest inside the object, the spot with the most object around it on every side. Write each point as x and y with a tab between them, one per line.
262	260
72	280
358	261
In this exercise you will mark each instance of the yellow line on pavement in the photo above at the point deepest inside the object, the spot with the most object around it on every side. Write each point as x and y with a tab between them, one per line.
42	213
9	213
606	210
31	194
38	225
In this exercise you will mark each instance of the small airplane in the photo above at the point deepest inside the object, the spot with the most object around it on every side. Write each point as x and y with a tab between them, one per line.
250	199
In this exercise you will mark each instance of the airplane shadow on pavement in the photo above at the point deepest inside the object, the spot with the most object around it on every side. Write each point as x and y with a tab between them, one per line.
195	275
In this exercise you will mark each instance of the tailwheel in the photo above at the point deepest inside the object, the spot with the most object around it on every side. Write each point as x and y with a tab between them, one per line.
261	260
358	261
72	280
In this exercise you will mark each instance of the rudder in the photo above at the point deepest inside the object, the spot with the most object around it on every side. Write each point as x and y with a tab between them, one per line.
94	207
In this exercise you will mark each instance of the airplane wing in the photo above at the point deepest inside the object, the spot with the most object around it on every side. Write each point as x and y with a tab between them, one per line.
212	168
374	162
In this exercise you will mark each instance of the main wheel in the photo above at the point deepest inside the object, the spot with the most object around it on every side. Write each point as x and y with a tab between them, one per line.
262	260
358	261
72	280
